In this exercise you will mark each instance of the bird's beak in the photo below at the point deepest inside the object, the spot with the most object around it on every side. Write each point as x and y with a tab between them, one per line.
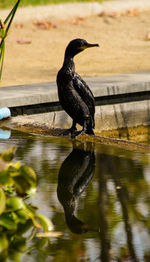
91	45
88	45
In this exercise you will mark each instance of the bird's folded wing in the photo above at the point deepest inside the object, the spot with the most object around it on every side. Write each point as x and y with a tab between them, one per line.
84	91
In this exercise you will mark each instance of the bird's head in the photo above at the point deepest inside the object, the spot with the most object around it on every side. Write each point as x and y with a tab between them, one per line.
76	46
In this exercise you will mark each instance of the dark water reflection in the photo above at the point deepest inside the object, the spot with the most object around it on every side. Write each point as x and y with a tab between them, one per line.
98	196
74	176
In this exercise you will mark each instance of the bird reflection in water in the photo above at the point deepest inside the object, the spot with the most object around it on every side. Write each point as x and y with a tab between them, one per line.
74	176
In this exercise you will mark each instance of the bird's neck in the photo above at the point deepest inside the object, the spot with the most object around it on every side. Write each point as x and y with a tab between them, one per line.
68	62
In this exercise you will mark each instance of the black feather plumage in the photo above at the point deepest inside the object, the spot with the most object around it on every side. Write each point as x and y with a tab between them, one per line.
75	96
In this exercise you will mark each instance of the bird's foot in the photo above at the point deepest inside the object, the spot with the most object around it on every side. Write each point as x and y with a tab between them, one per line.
67	132
83	131
74	133
77	133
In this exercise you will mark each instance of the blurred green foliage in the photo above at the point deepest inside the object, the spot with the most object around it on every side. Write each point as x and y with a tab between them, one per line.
17	215
7	4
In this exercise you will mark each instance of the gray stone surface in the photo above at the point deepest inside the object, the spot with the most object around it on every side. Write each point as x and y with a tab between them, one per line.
125	115
47	92
28	94
108	117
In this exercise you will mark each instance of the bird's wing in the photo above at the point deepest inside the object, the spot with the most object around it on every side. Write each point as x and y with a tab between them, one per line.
72	102
85	93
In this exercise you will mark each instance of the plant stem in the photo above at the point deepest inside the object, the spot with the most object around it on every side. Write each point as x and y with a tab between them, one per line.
2	43
2	49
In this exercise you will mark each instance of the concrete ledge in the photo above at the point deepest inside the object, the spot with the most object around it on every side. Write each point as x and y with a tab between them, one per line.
22	95
126	85
118	121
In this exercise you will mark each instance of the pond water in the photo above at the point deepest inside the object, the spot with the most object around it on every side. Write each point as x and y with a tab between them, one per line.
98	196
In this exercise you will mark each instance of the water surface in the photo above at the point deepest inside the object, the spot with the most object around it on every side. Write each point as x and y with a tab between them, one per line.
98	196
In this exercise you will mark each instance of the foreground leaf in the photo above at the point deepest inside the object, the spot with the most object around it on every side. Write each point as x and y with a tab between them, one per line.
45	222
8	154
21	185
29	174
23	215
7	222
2	201
3	242
15	203
19	243
5	178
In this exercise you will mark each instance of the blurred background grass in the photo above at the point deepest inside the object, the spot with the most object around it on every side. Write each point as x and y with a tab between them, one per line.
10	3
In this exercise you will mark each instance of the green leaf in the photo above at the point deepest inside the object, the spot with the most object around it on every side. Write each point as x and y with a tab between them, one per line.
11	16
8	154
5	178
3	242
15	203
15	255
21	185
23	215
2	201
45	222
25	228
29	174
7	222
31	211
12	169
19	243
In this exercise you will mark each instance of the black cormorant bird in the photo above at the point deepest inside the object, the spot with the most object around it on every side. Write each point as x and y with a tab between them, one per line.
74	94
